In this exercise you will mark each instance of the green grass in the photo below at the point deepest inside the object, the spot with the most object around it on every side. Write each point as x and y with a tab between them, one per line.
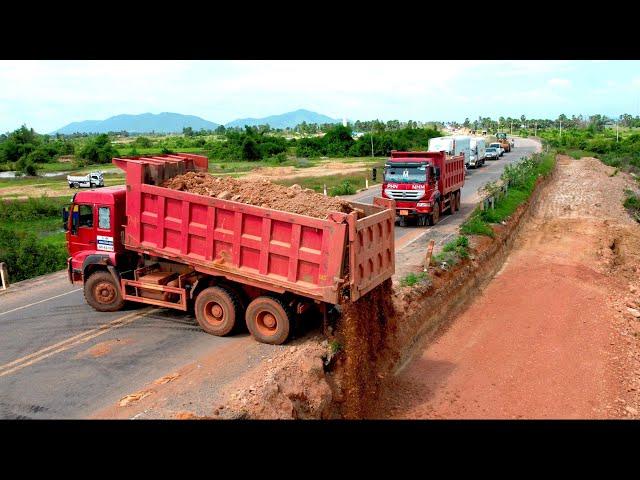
632	203
335	183
522	178
577	153
452	252
412	279
476	226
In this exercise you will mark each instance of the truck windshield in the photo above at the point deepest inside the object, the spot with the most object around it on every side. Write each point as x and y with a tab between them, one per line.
405	174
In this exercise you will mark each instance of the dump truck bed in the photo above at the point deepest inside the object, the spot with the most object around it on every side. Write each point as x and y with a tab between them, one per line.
328	260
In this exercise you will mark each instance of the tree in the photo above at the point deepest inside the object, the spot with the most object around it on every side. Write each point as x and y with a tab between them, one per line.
187	131
143	142
250	149
99	150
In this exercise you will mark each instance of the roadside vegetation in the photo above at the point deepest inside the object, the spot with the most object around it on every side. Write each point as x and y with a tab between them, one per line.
346	184
632	203
452	252
32	241
412	279
521	177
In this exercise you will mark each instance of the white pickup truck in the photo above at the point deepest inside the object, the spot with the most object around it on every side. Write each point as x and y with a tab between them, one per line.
90	180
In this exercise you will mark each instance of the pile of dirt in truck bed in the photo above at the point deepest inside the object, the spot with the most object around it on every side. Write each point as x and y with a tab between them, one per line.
262	193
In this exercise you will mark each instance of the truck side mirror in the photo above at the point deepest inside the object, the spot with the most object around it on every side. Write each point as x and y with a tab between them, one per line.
436	173
65	218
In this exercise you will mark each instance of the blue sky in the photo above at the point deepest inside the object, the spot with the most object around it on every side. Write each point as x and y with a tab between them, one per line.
47	95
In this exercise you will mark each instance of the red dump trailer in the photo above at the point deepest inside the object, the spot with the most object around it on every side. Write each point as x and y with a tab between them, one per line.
226	260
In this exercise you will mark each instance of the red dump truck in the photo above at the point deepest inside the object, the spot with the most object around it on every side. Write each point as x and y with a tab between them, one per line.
423	184
226	261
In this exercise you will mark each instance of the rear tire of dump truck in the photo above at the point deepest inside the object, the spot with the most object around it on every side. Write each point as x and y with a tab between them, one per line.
103	293
217	310
269	320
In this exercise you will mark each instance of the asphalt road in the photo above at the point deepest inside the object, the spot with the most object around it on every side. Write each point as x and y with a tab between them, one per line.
61	359
475	179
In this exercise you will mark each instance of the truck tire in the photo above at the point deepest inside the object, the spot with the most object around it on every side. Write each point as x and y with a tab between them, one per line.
217	310
435	216
452	203
269	320
103	293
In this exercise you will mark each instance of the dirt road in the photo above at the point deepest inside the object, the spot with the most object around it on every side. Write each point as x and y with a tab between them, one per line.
552	335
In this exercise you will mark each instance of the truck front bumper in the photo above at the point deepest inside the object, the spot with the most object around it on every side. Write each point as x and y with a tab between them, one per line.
406	209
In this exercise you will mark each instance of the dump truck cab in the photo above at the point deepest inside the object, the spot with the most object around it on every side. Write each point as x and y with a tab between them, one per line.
423	184
94	222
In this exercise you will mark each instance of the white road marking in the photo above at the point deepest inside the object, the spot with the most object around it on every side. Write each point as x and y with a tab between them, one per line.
84	337
40	301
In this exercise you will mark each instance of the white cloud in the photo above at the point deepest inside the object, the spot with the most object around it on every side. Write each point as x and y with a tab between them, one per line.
50	94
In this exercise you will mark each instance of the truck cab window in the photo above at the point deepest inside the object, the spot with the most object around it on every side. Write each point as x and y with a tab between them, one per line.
104	218
86	216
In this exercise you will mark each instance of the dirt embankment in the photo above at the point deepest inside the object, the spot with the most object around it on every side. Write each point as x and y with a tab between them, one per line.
293	199
554	334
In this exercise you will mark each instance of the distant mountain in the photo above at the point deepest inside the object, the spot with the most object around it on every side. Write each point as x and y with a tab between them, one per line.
144	123
290	119
174	122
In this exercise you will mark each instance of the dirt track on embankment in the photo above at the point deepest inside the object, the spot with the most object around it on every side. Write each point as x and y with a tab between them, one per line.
553	335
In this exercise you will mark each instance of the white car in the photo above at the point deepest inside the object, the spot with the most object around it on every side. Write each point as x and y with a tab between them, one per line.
497	147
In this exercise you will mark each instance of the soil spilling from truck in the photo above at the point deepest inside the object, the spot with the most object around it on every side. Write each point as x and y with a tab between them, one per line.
262	193
364	331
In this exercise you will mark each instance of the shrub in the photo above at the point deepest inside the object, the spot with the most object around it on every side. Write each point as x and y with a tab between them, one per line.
345	188
632	203
27	256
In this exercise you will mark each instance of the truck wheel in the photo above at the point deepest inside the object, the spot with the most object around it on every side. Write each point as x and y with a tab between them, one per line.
452	203
403	221
269	320
217	310
435	216
458	195
103	293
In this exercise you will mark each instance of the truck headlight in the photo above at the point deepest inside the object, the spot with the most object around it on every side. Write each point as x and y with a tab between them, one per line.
423	204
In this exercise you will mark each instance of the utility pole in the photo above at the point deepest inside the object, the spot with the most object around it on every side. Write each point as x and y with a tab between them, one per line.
535	130
560	128
372	156
512	127
616	132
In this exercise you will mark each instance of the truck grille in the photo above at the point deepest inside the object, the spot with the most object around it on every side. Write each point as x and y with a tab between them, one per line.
404	194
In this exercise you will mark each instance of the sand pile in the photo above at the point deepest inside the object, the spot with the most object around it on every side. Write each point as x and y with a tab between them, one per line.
262	193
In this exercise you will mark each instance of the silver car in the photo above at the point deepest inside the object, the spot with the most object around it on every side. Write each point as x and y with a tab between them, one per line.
491	153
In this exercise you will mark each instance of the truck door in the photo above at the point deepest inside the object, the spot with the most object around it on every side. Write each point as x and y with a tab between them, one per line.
82	234
104	233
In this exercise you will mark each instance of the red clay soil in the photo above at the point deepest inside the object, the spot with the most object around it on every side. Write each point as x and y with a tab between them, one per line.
293	199
555	333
